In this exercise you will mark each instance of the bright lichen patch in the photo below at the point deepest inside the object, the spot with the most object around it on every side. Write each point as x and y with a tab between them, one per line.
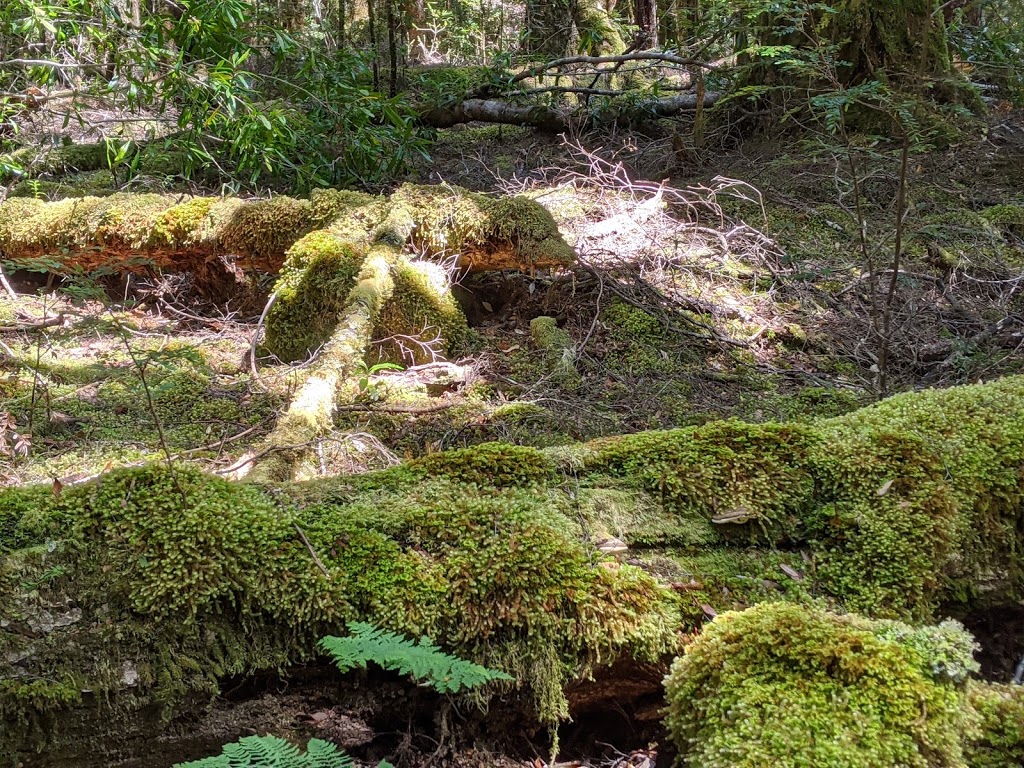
795	685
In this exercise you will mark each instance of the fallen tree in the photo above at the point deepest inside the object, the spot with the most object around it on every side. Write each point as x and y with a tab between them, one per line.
341	256
151	585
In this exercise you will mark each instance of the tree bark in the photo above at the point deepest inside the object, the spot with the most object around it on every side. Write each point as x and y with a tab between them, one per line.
549	27
645	15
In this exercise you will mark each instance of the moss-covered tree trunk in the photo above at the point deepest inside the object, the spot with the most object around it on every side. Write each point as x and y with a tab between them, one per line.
548	28
902	42
897	39
147	587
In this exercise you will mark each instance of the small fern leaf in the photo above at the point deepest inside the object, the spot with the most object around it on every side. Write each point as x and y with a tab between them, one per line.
274	752
323	754
421	659
263	752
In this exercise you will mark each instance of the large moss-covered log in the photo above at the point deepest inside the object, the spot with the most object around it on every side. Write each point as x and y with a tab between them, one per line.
129	232
793	685
179	233
149	586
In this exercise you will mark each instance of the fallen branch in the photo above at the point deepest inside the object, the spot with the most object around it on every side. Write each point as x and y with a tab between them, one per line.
36	325
666	58
555	120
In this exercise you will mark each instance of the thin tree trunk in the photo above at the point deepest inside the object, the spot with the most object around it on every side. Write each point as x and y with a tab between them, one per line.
646	18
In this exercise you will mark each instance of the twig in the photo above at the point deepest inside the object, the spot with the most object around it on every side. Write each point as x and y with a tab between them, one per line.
312	552
6	285
397	408
35	325
256	338
667	58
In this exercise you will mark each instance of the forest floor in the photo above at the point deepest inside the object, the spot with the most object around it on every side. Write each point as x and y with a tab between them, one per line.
713	284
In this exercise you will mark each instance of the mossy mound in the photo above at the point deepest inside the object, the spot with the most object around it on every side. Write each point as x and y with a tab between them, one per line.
900	505
318	274
186	578
796	686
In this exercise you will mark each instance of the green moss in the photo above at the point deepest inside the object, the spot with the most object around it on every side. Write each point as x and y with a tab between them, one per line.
923	492
965	239
266	229
450	219
559	350
791	685
491	464
639	341
999	740
86	184
1007	218
314	283
328	205
190	578
728	471
424	310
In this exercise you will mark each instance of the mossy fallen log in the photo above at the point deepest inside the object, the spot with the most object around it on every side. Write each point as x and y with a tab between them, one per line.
343	283
150	586
130	232
174	232
794	685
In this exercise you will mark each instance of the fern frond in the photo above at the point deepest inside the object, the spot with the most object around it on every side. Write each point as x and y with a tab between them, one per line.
419	658
274	752
323	754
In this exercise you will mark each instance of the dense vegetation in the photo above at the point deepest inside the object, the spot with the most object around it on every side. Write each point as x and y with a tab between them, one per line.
549	347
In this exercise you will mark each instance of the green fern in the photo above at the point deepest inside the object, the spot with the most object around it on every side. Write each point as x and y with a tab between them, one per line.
420	658
274	752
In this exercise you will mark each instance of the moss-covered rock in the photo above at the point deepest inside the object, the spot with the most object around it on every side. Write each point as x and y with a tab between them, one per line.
559	350
796	686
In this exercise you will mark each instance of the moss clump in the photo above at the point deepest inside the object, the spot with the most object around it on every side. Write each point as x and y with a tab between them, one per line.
999	740
318	273
450	219
87	184
728	472
1007	218
639	340
559	350
490	464
328	205
923	493
791	685
266	229
422	319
